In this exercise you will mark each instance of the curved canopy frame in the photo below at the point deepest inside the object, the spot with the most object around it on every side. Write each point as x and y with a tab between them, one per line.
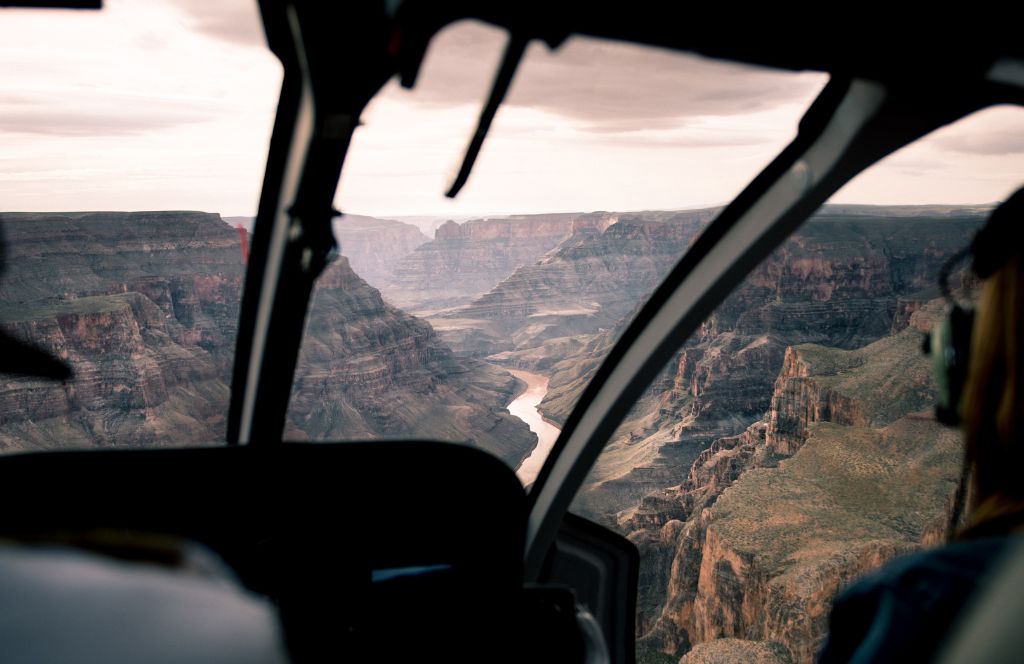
886	92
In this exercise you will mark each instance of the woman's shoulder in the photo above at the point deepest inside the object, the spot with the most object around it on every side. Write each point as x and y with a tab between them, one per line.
952	564
901	611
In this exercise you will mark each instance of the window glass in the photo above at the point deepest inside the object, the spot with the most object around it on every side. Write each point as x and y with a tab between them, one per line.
451	319
790	446
133	142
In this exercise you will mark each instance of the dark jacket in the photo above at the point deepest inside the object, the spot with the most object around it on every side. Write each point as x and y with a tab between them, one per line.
903	611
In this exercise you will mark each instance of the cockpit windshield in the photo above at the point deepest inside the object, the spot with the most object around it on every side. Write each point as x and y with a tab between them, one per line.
447	319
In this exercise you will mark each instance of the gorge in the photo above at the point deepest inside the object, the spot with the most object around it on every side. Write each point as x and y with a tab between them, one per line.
785	449
144	306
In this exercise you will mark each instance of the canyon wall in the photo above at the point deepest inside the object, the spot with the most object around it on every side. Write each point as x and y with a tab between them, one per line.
369	370
845	280
593	279
465	260
840	281
846	470
144	306
374	247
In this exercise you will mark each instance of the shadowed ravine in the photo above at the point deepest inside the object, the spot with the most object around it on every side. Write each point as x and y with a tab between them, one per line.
524	407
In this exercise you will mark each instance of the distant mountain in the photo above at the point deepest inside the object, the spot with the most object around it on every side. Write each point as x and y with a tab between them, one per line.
465	260
902	211
245	222
374	246
594	277
430	223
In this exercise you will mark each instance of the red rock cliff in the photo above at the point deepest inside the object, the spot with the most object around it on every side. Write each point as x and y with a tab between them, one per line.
843	473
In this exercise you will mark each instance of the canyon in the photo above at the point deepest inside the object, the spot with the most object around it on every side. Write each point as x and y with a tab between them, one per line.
847	469
594	278
369	370
841	281
374	246
786	449
854	277
467	259
144	306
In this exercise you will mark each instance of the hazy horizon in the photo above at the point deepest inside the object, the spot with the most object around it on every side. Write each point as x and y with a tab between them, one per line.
463	217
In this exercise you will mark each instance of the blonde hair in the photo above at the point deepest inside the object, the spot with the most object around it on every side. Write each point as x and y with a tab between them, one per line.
993	414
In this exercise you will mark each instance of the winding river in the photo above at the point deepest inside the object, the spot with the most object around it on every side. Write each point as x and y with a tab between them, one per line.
524	407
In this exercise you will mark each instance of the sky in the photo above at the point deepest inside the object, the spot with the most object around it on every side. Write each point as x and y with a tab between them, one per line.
168	104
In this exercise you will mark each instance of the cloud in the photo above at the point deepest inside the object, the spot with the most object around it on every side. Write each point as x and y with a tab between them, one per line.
606	86
78	112
91	123
995	143
997	131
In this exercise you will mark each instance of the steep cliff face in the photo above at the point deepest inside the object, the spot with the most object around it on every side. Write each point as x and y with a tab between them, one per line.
374	247
143	305
467	259
846	470
139	379
840	281
590	282
369	370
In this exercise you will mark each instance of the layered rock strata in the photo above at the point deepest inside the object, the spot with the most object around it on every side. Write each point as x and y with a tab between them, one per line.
593	279
840	281
144	306
465	260
847	470
374	247
369	370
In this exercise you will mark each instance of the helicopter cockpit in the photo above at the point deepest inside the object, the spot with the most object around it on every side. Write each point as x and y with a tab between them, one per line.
380	550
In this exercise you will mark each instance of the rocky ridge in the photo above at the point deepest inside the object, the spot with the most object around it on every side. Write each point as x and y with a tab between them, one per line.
465	260
593	279
144	306
375	246
847	470
369	370
840	281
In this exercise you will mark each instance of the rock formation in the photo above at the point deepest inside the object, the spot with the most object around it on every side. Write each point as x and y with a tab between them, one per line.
840	281
847	469
374	247
465	260
144	306
369	370
728	651
591	281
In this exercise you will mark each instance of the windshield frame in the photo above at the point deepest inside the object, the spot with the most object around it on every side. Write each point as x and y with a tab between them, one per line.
853	123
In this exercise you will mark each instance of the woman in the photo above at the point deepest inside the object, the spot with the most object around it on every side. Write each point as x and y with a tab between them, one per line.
904	611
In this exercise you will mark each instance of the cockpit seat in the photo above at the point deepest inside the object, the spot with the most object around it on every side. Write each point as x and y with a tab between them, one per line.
370	551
